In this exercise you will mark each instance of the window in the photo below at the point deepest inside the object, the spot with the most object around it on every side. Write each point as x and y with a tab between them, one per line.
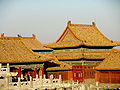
74	74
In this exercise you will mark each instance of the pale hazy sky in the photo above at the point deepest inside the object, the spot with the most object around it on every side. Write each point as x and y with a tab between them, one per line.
48	18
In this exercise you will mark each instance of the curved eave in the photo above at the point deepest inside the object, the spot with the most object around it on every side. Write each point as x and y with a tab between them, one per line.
64	59
42	59
107	69
77	45
58	68
42	49
71	56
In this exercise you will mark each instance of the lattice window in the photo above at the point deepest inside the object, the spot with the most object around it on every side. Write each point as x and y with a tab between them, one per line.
104	77
115	77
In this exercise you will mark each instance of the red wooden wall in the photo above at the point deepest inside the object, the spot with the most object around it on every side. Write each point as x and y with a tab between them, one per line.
78	73
31	73
89	71
81	72
108	76
66	75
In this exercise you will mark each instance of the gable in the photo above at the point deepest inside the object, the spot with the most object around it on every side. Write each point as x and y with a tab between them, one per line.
68	36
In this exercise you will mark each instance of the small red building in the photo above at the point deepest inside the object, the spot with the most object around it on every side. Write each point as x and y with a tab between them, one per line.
61	69
82	71
109	70
78	73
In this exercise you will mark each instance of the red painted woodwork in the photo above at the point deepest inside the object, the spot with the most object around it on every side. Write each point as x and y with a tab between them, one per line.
65	75
19	72
89	73
108	76
31	73
70	75
104	77
35	72
78	73
97	76
81	72
14	70
43	72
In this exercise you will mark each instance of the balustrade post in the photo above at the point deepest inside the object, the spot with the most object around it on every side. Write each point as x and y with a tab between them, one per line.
37	76
44	77
72	87
83	87
0	66
77	81
8	68
79	87
22	76
19	82
88	87
60	79
41	82
97	84
7	81
40	77
51	79
31	82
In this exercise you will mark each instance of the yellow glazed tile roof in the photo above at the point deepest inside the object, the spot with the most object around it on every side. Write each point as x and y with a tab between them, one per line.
78	34
33	43
13	50
112	62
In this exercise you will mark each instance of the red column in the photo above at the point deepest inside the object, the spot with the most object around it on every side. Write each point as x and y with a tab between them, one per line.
97	76
70	77
43	72
35	72
110	79
19	72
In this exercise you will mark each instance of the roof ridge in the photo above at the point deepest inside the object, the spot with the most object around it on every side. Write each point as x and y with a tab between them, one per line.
33	37
19	36
28	37
10	38
62	34
69	24
81	25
